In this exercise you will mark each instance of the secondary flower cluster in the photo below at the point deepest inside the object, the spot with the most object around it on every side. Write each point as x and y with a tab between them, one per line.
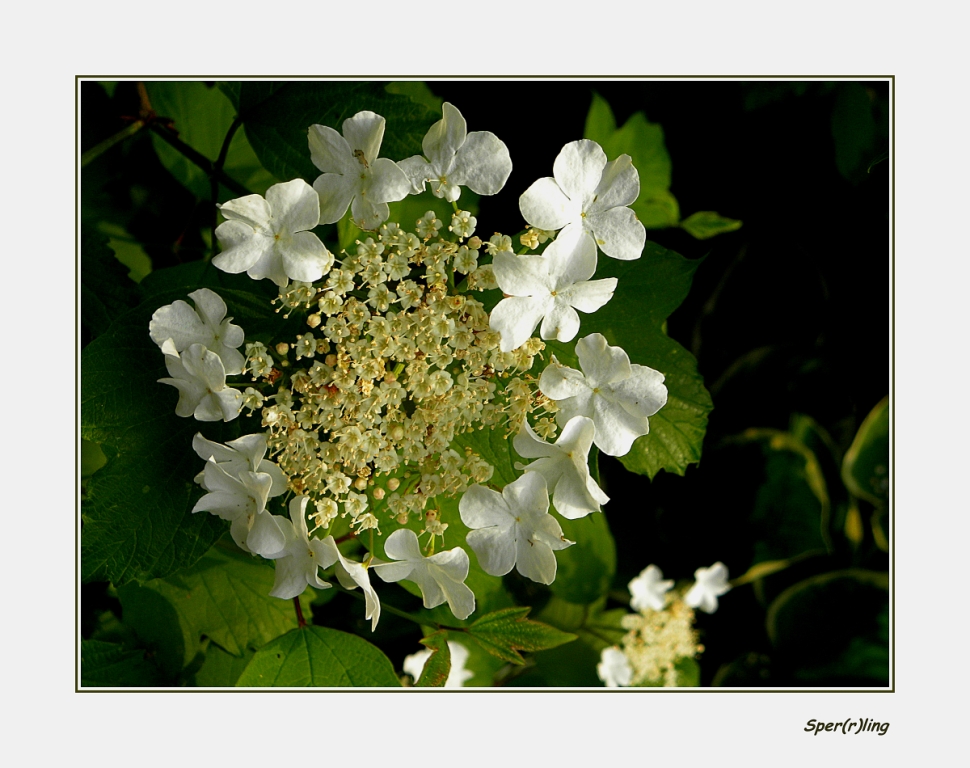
368	412
661	633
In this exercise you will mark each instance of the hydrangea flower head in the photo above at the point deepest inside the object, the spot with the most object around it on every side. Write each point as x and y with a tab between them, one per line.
456	158
353	175
589	195
547	287
615	394
207	325
649	590
513	529
564	465
271	238
709	585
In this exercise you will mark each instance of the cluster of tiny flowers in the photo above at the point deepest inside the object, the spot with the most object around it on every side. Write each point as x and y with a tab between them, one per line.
662	632
364	412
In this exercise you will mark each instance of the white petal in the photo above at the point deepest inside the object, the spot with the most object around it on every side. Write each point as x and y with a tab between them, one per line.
589	296
559	381
619	186
482	164
482	507
388	183
296	207
241	247
266	536
525	275
179	322
579	167
251	210
616	429
330	152
418	170
571	258
365	131
561	322
306	258
602	363
516	318
545	205
643	393
336	192
445	137
618	233
494	548
535	561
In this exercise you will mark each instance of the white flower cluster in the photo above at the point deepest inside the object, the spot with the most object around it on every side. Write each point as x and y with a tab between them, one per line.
364	411
662	632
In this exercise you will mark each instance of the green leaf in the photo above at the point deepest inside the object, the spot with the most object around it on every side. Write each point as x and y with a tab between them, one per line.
833	629
789	507
643	141
137	523
853	129
221	669
416	91
865	468
706	224
504	633
202	115
225	597
106	289
585	570
438	665
111	665
649	289
127	250
319	657
278	115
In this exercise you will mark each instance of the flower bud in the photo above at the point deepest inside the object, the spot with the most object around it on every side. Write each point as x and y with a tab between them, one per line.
282	348
314	320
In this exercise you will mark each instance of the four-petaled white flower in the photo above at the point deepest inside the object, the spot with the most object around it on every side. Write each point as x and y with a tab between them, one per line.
456	158
353	174
614	668
242	501
440	577
564	466
616	395
414	664
207	325
648	590
270	237
298	562
514	528
351	575
549	286
710	583
200	378
589	195
245	454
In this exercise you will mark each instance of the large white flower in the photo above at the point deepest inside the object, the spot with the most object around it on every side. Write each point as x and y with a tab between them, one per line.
244	454
271	237
207	325
615	394
299	561
710	584
564	465
353	174
589	195
649	590
614	668
457	675
514	528
242	501
549	286
456	158
440	577
200	378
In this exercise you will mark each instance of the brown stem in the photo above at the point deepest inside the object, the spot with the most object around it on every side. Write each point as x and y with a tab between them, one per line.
300	621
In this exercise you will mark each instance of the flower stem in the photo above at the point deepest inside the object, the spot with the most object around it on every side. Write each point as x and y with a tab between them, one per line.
99	149
300	621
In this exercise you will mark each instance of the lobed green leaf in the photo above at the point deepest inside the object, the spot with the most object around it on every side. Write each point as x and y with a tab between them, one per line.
438	666
319	657
506	632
